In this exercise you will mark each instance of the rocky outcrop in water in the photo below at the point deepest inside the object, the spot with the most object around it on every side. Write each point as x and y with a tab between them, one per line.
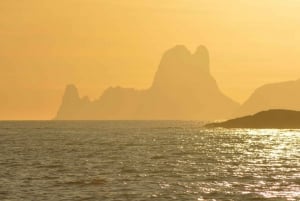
183	89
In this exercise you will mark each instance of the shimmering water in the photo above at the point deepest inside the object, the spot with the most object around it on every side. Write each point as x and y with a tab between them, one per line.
146	161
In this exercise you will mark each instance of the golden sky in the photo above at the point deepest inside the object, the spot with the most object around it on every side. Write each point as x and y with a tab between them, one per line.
94	44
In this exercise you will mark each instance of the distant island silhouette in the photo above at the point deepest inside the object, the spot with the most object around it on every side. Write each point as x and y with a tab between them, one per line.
278	119
183	89
283	95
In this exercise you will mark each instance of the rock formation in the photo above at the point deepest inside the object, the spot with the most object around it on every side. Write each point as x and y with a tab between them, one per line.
183	89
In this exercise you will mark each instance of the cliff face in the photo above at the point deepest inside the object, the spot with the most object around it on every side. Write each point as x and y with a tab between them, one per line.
284	95
183	88
180	69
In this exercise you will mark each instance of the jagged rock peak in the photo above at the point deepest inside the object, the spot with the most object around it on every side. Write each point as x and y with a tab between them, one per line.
178	63
71	93
201	57
201	50
180	54
179	50
183	50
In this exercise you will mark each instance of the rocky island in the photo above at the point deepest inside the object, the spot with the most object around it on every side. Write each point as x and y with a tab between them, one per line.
183	89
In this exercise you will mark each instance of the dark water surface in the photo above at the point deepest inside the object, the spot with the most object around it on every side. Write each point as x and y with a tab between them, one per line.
128	160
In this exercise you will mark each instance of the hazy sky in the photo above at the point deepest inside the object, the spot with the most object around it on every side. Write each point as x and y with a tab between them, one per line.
94	44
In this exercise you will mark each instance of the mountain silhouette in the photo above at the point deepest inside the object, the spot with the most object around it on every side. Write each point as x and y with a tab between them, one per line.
277	119
182	89
284	95
72	104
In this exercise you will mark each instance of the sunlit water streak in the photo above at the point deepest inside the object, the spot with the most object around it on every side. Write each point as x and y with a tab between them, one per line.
168	160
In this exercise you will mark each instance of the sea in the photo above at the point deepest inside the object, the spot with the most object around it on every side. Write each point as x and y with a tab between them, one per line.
146	160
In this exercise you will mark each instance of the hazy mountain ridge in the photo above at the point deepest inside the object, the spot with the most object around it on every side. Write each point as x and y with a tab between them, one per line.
183	88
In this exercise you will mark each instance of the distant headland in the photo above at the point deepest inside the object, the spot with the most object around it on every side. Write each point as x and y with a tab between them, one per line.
278	119
281	95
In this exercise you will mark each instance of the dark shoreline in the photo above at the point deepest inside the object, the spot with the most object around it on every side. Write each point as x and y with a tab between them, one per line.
276	119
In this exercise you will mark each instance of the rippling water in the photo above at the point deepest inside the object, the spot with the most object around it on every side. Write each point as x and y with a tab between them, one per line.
130	160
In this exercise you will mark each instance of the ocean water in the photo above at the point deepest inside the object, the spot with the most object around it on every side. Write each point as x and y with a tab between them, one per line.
140	160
